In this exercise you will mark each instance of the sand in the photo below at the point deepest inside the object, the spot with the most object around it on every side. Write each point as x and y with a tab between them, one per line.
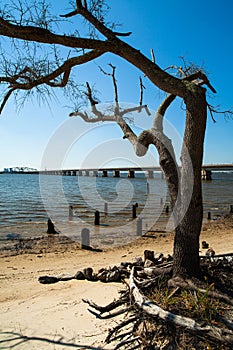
37	316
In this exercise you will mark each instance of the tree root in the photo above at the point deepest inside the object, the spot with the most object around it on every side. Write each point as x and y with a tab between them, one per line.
153	302
119	327
102	309
189	284
224	335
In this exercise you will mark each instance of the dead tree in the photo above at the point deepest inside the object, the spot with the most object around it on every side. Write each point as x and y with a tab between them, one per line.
25	77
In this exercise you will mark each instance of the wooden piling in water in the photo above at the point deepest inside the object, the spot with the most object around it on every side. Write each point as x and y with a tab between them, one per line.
71	213
106	208
134	211
97	217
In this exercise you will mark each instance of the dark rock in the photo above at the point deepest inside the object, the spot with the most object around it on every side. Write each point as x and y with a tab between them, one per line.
149	255
169	258
79	275
113	276
210	252
51	229
102	276
204	245
48	279
125	264
88	273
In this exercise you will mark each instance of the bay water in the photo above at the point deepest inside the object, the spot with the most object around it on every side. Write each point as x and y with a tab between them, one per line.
26	198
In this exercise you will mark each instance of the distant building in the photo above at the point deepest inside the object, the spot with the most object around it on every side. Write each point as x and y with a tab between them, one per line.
19	170
8	170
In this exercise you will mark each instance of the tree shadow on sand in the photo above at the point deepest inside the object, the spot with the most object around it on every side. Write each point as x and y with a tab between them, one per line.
14	339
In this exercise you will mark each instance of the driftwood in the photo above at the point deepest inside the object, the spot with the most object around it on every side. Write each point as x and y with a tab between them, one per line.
113	274
224	335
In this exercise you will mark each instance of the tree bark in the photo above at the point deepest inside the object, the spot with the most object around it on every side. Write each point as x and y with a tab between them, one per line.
186	241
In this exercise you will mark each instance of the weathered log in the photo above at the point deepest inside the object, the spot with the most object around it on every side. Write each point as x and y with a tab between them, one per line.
221	334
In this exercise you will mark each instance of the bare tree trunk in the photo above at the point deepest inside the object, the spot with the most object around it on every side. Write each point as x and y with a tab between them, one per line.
186	242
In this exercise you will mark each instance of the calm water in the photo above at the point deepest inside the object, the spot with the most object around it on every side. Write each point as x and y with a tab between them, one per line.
26	198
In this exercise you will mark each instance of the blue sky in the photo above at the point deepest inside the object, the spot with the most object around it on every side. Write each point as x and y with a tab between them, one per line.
201	31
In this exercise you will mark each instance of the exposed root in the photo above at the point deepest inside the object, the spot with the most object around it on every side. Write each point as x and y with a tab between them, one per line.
157	311
149	325
102	309
189	284
224	335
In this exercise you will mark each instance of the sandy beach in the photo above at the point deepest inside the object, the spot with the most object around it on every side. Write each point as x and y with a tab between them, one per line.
53	316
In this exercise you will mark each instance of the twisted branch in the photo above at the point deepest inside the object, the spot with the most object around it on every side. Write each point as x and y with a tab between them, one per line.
50	79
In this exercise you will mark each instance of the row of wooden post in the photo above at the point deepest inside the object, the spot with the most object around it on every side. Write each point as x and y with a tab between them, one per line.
85	235
97	213
209	213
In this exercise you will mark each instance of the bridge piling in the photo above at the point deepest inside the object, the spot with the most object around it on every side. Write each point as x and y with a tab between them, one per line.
116	173
206	174
149	174
131	174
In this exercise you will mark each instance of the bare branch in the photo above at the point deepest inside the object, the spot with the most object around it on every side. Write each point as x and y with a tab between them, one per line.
85	4
215	110
50	79
141	91
122	34
204	80
37	34
165	104
135	109
158	119
89	95
6	97
211	112
70	14
152	55
114	82
108	33
179	69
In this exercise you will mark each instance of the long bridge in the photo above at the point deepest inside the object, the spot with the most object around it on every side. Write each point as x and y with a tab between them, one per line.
207	170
